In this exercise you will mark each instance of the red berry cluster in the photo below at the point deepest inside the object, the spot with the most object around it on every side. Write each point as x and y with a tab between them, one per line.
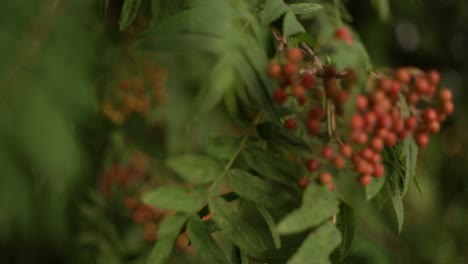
391	109
144	214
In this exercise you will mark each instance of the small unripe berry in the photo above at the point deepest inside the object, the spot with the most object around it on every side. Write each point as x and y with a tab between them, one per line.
294	55
403	75
361	102
290	123
433	77
422	139
303	182
327	152
309	81
379	170
316	112
325	178
339	162
313	127
346	150
429	114
274	70
445	94
280	96
290	69
411	123
312	165
365	180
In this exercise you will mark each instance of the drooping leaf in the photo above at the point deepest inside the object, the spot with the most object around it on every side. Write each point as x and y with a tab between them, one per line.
168	231
393	175
346	225
270	166
195	168
374	187
305	8
410	150
290	25
235	228
273	10
250	187
223	147
176	198
203	243
318	246
278	135
129	12
272	225
318	204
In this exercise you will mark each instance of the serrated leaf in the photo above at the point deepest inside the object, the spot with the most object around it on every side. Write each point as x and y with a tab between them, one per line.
290	25
318	204
397	202
129	12
305	8
273	10
374	187
236	229
317	247
250	187
278	135
271	225
393	186
203	243
176	198
197	169
410	150
223	147
220	80
346	226
270	166
168	231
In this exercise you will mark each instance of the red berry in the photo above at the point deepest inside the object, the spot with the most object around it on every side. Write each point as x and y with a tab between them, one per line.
385	121
445	94
377	144
344	34
429	114
280	96
391	139
384	84
395	88
274	70
403	134
309	81
290	69
131	203
325	178
378	97
313	127
357	122
431	90
403	75
377	158
294	55
313	165
361	103
318	94
298	91
382	133
367	153
421	85
365	180
316	112
434	126
422	139
362	138
398	125
412	98
346	150
448	107
361	166
327	152
331	186
303	182
411	123
290	123
379	170
339	162
433	76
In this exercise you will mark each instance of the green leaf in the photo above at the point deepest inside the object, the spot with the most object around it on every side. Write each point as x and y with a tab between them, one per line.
272	225
168	231
155	8
318	205
203	243
273	10
272	167
374	187
346	226
197	169
393	168
278	135
235	228
223	147
305	8
317	247
176	198
263	192
220	80
238	256
410	150
129	13
184	42
290	25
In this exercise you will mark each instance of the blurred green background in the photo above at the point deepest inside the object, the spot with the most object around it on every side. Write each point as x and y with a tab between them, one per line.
53	138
